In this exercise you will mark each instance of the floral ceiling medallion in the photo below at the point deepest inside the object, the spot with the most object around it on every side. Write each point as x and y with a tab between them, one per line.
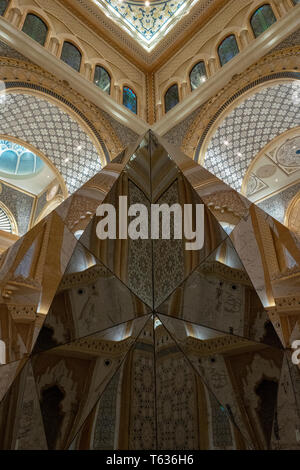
146	24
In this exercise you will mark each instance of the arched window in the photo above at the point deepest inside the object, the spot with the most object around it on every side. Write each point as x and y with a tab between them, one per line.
130	99
198	75
228	49
35	28
262	19
5	223
3	6
17	160
171	97
102	79
71	55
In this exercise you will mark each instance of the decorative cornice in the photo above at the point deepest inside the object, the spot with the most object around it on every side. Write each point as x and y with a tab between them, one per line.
219	345
285	305
98	347
23	313
88	276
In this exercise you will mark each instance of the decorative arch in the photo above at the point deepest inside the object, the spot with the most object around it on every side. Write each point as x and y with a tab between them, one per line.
33	79
228	153
54	122
194	142
261	19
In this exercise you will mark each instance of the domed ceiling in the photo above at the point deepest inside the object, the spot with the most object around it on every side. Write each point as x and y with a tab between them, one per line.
145	29
148	21
249	128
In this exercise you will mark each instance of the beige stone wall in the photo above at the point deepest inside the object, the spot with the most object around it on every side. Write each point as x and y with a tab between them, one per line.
63	25
203	46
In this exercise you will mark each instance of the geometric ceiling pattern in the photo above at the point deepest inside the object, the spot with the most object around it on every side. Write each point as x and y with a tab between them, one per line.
54	132
249	128
142	344
148	24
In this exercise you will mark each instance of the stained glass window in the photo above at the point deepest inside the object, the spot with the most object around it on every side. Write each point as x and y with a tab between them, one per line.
130	99
3	6
262	19
102	79
228	49
35	28
17	160
198	75
171	97
71	55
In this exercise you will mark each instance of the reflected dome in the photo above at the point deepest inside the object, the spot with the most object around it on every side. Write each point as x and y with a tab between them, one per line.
17	160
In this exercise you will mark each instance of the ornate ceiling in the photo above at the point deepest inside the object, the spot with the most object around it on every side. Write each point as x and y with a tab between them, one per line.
56	135
149	23
144	32
241	135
